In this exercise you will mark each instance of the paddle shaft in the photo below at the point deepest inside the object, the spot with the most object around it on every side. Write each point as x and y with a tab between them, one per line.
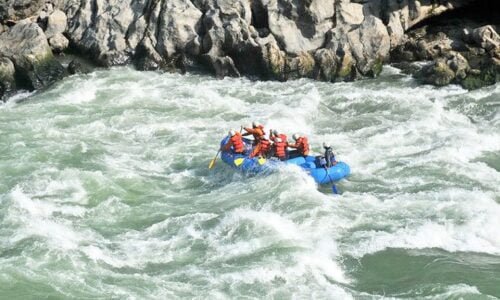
212	162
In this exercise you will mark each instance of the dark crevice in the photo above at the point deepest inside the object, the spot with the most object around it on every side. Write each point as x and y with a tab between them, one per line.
260	18
384	11
158	28
477	13
93	18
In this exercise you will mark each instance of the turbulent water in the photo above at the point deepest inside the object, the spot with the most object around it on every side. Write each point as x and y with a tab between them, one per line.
105	191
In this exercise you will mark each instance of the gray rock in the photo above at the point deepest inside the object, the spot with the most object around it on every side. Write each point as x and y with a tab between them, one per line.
221	66
453	68
325	65
179	25
300	25
99	28
370	46
273	60
76	67
56	23
58	43
7	79
26	45
437	73
486	37
302	65
19	9
458	64
349	13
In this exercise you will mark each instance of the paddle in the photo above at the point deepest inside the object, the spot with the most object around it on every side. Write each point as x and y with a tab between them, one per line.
212	162
334	189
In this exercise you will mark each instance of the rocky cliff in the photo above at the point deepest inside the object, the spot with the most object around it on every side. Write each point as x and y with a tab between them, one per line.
329	40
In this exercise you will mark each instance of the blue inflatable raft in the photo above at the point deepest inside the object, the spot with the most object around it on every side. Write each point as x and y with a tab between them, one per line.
259	165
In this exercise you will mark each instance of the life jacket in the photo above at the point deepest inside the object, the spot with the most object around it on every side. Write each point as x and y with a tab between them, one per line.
303	145
280	148
282	136
261	149
237	143
265	146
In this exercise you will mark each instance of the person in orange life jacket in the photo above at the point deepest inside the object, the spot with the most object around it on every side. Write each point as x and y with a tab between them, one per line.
257	131
329	156
275	133
301	145
236	141
279	148
262	149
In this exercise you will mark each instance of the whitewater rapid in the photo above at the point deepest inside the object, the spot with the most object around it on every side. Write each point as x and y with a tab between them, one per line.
105	191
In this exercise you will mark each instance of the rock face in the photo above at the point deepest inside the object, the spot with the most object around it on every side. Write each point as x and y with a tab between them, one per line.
466	53
277	39
26	46
331	40
7	80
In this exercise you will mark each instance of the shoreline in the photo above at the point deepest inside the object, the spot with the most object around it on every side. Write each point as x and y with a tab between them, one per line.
56	40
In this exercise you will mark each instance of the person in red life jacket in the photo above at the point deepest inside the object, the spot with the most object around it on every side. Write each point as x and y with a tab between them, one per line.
257	131
275	134
236	141
279	148
301	145
262	149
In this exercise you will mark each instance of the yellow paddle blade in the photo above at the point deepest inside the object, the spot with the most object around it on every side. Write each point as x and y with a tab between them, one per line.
212	163
238	161
262	160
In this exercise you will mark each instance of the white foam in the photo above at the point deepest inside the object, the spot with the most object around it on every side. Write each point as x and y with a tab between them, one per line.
472	228
34	218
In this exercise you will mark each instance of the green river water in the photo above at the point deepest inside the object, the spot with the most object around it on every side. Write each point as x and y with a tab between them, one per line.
105	191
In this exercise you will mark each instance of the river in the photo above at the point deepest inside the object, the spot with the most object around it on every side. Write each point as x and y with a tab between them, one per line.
105	191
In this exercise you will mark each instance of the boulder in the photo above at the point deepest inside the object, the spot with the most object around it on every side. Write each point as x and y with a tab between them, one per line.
58	43
179	26
56	23
452	68
7	79
274	61
300	25
349	13
76	67
19	9
99	28
325	66
487	74
437	73
301	65
458	64
486	37
26	46
221	66
370	46
346	65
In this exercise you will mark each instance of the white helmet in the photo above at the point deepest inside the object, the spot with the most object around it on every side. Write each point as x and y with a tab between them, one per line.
326	145
255	124
264	137
232	132
275	132
278	140
295	136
